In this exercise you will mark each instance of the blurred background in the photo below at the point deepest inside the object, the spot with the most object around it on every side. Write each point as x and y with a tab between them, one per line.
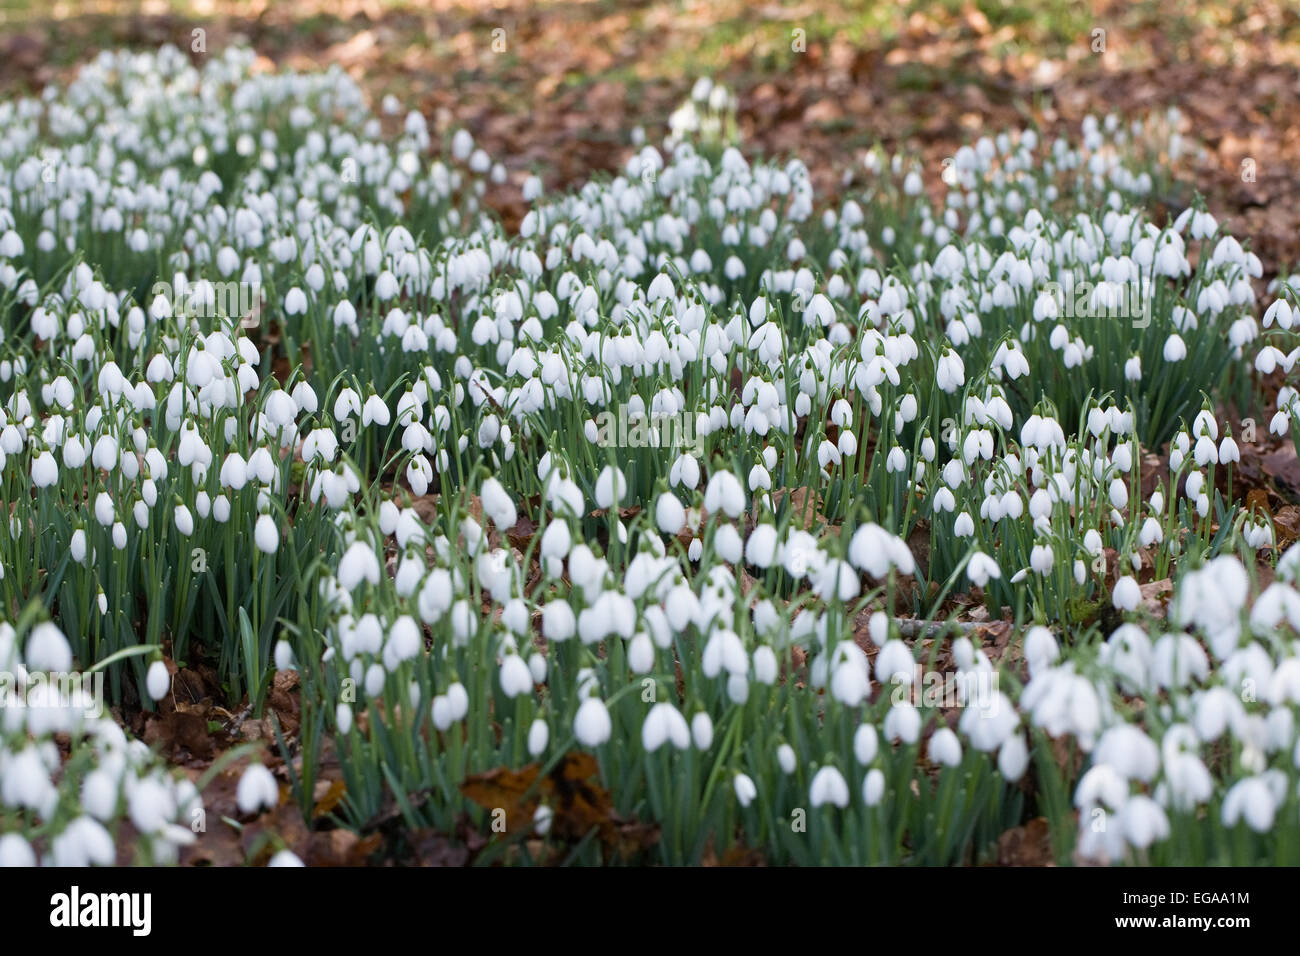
557	86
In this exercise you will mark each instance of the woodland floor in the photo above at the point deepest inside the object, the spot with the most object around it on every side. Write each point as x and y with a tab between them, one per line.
576	76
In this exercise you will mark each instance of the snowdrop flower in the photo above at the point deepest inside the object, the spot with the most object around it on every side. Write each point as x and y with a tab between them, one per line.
515	677
375	412
945	748
829	786
257	790
611	487
702	730
539	734
592	725
895	663
1126	595
1143	821
184	520
1013	758
745	789
1129	752
664	723
16	851
359	563
982	568
873	787
1250	799
157	680
950	372
266	534
670	515
903	722
786	759
724	493
48	650
875	551
497	504
865	744
1175	349
760	549
83	842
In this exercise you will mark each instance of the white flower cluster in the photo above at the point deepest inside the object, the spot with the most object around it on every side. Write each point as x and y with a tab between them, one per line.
69	810
264	364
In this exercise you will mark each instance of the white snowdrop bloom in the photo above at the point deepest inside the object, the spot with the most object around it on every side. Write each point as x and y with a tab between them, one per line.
104	510
664	723
1177	660
1175	350
988	720
1126	595
558	621
157	680
151	805
15	851
1211	598
1040	649
375	412
266	534
359	563
760	549
497	504
99	794
48	650
850	675
1143	821
873	787
744	787
1129	752
895	664
1216	709
726	544
1013	758
724	493
670	515
903	722
981	568
257	790
945	748
515	677
539	735
964	526
457	701
611	487
685	471
829	787
786	759
1041	559
865	744
724	651
1101	786
591	724
951	373
875	551
1252	800
45	470
83	842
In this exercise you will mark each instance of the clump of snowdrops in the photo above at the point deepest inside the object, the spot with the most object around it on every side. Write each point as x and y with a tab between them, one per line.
643	478
70	811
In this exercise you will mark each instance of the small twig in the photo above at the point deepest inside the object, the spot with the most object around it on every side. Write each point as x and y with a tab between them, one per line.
915	627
